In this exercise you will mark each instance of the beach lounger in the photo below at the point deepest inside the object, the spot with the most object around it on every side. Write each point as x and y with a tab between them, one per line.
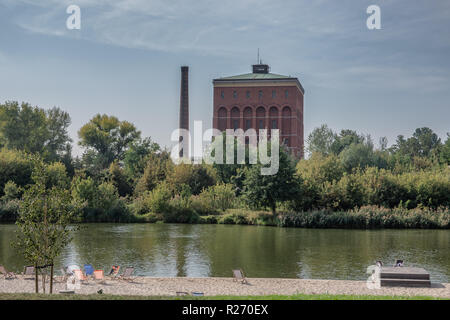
238	275
88	270
80	276
127	275
28	272
99	276
64	276
7	274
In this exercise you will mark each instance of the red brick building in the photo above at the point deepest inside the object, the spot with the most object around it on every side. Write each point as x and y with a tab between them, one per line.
261	100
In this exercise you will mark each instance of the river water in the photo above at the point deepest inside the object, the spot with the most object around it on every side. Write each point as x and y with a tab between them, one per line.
169	250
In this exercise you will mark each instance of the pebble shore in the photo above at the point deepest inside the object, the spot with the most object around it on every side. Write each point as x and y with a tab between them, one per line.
149	286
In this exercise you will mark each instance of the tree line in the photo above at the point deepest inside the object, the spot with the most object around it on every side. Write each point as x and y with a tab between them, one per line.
123	177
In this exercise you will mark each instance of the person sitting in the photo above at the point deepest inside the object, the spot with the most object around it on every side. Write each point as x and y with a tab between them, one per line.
399	263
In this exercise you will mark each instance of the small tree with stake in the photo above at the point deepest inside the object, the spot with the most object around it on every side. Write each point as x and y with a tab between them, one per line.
43	225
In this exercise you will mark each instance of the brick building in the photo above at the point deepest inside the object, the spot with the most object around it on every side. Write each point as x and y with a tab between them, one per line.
261	100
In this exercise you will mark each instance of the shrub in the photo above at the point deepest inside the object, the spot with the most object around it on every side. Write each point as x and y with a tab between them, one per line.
216	198
368	217
197	177
101	203
179	211
14	166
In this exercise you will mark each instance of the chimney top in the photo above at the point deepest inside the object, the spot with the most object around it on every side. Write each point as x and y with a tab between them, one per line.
261	68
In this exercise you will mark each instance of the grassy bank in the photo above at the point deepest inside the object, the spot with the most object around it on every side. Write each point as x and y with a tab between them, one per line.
32	296
368	217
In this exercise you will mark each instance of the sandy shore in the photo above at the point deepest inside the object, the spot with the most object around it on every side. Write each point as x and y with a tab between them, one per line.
226	286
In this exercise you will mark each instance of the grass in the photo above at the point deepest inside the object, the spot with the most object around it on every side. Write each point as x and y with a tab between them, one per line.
32	296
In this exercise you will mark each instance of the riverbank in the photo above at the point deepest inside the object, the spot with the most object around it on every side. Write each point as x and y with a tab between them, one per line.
368	217
211	287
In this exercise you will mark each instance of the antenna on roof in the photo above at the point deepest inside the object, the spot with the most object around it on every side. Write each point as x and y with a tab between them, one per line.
257	61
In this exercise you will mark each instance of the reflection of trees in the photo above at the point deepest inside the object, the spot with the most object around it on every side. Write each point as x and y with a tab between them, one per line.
259	251
9	256
153	249
214	250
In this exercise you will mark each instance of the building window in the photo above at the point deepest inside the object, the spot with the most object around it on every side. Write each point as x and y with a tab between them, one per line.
274	124
286	94
248	124
234	94
274	93
222	94
286	141
261	124
248	94
235	124
260	94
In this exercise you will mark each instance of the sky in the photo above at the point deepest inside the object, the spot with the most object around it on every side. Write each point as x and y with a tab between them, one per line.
125	60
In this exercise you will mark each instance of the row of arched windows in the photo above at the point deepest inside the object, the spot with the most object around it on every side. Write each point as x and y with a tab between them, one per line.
274	119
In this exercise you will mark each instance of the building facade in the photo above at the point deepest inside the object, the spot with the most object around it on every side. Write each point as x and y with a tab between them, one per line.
261	100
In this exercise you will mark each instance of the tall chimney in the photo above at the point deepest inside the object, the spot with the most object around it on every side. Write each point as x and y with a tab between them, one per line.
184	110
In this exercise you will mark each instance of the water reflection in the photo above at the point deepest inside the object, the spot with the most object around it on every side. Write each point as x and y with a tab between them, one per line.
168	250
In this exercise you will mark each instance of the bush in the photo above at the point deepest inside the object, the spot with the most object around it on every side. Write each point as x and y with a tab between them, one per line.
197	177
158	199
216	198
14	166
368	217
179	211
100	203
9	210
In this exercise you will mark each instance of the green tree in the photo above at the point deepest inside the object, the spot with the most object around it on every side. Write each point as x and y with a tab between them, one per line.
136	157
267	190
156	170
197	177
106	139
320	140
15	166
357	155
43	225
422	143
119	179
345	139
35	130
445	152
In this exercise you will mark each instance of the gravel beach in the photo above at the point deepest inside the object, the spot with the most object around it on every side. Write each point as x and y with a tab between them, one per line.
226	286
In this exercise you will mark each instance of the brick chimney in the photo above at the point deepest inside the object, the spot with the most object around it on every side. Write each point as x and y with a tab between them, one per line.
184	110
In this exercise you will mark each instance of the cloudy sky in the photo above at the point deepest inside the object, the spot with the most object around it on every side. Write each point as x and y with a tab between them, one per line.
126	59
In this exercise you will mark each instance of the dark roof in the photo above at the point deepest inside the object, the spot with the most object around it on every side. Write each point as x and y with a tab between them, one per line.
260	76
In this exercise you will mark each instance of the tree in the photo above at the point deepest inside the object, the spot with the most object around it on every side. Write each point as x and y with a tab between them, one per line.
266	190
321	139
136	157
107	138
119	179
445	152
345	139
35	130
15	166
422	143
156	170
357	155
43	225
197	177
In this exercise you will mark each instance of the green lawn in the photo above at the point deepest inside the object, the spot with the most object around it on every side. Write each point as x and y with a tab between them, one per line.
31	296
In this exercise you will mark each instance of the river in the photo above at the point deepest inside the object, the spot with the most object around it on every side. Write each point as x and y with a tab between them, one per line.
169	250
